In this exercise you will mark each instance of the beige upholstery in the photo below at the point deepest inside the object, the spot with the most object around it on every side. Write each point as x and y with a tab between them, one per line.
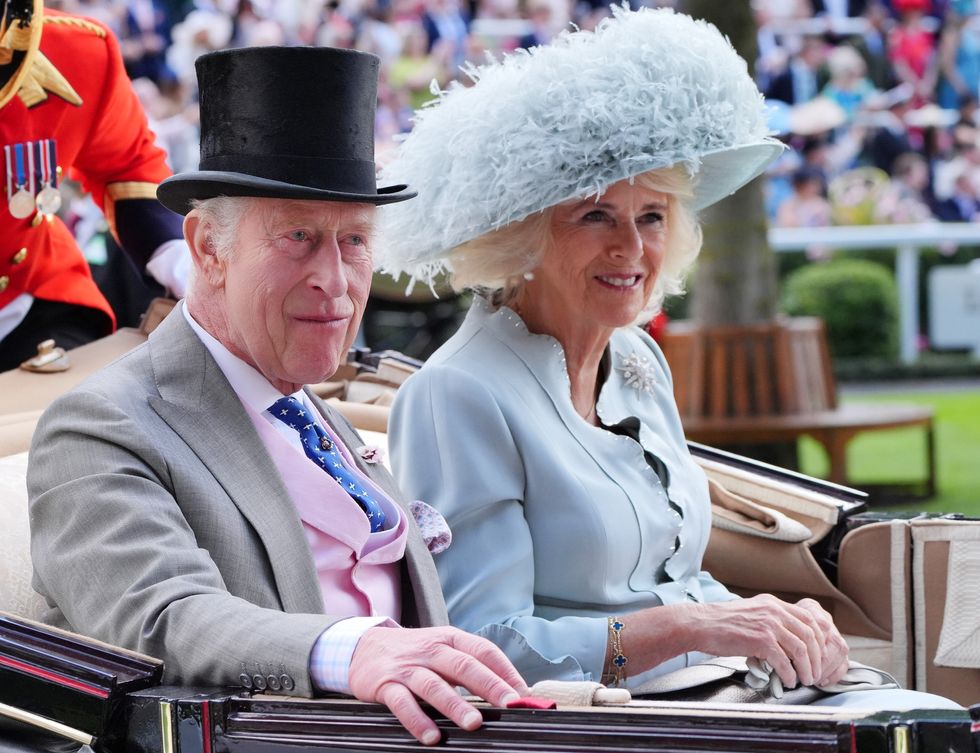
16	430
16	594
945	566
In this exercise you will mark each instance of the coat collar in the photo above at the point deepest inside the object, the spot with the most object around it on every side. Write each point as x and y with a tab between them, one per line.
197	402
619	397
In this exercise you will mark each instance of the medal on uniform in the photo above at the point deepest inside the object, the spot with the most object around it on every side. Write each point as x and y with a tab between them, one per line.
20	195
48	199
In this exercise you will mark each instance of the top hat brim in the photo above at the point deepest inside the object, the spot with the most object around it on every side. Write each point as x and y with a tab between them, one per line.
179	191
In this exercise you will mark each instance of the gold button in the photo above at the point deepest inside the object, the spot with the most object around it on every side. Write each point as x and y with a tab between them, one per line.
37	219
4	282
19	256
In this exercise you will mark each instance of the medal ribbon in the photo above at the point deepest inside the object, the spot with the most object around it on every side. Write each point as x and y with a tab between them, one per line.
19	160
41	159
31	168
52	162
10	172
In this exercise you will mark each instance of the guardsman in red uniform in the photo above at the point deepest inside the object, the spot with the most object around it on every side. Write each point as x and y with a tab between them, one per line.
68	108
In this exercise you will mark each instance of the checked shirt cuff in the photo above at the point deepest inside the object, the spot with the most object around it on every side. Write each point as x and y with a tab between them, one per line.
332	653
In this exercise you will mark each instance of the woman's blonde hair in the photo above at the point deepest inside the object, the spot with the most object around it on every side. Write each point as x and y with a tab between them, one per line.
496	263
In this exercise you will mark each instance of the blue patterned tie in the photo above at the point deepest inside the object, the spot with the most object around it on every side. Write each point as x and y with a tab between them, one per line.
321	450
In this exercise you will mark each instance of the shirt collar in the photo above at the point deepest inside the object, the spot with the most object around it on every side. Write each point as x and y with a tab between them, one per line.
252	388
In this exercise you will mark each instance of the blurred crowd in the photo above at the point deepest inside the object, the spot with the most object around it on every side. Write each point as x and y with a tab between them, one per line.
878	98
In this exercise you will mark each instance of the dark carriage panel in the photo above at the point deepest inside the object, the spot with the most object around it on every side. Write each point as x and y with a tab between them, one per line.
66	678
209	723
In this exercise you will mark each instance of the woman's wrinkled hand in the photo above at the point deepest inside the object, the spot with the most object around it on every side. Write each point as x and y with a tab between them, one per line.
798	640
398	666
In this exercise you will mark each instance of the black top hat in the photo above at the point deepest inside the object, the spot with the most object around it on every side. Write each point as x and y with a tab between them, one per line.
287	123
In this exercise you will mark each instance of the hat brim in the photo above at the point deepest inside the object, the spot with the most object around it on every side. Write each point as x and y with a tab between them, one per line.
179	191
723	172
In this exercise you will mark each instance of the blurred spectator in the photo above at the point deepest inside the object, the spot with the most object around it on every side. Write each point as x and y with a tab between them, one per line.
376	33
807	206
444	22
201	31
798	83
837	9
414	70
965	162
963	205
912	48
849	87
872	45
784	10
144	41
175	126
906	198
888	135
547	17
959	55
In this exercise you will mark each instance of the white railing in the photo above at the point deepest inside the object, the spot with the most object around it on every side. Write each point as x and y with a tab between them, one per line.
907	240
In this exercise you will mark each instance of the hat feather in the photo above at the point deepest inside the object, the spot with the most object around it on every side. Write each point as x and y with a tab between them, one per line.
647	89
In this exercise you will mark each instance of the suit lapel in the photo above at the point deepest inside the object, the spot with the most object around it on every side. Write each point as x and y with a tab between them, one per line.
197	402
425	590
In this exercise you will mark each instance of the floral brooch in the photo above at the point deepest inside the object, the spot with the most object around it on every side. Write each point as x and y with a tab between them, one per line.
638	372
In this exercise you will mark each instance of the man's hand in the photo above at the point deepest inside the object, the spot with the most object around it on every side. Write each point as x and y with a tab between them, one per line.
395	666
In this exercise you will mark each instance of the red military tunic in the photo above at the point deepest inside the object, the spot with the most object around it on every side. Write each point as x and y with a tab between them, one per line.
104	142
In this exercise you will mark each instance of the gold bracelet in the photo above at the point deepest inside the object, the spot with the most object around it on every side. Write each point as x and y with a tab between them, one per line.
618	660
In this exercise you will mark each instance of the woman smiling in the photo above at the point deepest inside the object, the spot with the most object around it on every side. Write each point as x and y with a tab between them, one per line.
545	430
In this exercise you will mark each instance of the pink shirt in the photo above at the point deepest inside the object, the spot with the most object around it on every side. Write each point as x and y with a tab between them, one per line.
358	570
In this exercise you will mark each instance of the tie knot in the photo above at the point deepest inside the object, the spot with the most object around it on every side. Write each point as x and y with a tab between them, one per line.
290	411
293	413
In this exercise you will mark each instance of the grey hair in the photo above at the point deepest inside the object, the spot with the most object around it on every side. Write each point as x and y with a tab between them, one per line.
496	264
221	217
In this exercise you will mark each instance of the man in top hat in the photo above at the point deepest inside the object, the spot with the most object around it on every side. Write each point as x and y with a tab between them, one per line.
67	108
192	500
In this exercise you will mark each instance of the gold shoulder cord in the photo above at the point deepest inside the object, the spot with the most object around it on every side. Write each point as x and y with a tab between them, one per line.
78	23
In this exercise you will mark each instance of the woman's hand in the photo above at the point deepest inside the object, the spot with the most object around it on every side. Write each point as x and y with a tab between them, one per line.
799	640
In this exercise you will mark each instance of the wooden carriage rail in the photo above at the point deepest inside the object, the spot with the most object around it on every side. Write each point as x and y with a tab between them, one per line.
773	382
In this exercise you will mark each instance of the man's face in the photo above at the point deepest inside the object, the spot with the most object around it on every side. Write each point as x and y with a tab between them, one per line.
295	285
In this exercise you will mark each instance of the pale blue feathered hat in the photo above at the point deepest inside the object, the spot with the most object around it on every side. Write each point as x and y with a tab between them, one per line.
646	90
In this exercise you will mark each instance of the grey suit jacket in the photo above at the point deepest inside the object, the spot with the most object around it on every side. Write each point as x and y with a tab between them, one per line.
159	522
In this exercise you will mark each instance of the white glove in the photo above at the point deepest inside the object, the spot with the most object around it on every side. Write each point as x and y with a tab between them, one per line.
170	265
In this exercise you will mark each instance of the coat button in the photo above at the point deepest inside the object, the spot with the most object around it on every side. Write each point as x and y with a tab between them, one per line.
19	257
287	682
4	282
273	682
258	681
245	679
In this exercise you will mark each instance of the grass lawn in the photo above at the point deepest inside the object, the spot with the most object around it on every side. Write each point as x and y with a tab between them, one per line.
899	454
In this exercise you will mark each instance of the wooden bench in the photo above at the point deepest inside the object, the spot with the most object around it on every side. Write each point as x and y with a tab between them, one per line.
773	382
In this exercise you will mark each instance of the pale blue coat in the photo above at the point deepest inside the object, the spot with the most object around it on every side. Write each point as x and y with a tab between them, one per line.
556	523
